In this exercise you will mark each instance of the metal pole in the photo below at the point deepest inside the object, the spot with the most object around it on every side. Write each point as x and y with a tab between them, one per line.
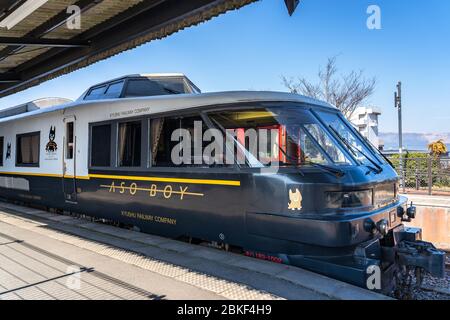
398	105
430	175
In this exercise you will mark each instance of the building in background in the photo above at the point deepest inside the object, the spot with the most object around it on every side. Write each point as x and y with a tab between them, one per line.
365	120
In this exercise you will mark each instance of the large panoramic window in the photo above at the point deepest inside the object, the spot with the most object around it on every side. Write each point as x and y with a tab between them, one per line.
130	144
289	136
101	146
27	153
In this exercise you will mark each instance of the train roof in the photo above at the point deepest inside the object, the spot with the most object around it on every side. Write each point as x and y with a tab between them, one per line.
149	76
170	103
26	107
157	84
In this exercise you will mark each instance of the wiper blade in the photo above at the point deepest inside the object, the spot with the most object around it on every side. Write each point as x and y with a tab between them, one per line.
381	154
337	172
378	169
291	159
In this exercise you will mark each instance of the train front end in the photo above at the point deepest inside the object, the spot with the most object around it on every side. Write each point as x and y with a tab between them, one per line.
357	232
323	198
386	252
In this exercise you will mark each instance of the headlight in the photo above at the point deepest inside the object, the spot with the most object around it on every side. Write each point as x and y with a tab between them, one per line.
350	199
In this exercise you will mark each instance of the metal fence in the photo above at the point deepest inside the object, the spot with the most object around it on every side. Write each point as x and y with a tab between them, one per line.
427	174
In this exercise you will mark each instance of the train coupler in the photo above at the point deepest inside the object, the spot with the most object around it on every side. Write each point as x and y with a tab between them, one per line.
407	249
424	255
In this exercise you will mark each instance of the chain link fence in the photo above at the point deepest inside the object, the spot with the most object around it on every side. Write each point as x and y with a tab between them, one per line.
422	173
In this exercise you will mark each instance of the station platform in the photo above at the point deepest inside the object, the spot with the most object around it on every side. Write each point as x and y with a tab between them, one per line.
433	217
50	256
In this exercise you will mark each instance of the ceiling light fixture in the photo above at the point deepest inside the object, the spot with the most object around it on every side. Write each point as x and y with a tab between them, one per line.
21	13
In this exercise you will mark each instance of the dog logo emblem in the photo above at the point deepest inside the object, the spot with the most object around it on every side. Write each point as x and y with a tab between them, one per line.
8	151
295	200
51	145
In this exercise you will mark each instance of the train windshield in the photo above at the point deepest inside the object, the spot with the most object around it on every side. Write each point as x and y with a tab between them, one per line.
290	136
354	142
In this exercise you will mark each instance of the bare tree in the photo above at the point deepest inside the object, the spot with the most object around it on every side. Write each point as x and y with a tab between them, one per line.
346	92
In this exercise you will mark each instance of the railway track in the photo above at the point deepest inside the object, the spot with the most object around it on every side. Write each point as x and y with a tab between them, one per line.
436	289
439	288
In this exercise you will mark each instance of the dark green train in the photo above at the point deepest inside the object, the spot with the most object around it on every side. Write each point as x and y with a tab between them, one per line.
281	176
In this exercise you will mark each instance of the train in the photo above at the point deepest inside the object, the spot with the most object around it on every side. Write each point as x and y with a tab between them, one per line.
311	192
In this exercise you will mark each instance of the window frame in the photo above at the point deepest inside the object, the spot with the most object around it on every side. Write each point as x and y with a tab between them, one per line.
201	111
28	165
127	84
85	98
114	159
67	146
355	132
2	151
273	104
146	152
112	142
124	82
187	114
144	129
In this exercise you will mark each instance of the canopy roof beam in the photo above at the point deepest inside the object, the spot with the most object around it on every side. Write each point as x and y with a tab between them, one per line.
9	77
33	42
135	25
47	27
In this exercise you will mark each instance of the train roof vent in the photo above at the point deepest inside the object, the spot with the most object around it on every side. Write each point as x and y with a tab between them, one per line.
141	85
32	105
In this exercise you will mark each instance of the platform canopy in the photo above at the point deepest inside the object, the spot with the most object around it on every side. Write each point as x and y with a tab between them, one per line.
36	43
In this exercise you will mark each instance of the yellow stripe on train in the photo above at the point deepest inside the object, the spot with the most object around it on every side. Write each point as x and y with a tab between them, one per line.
234	183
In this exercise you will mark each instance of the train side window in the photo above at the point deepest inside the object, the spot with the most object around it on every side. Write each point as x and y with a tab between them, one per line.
157	144
2	146
162	145
129	149
114	90
263	136
144	87
28	145
95	93
69	140
101	146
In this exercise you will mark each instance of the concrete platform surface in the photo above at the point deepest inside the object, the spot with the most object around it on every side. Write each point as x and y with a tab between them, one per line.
429	200
49	256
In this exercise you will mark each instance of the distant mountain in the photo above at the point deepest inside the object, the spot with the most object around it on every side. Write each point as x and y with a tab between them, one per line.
413	141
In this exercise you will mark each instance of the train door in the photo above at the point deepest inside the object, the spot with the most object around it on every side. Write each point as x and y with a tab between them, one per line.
69	161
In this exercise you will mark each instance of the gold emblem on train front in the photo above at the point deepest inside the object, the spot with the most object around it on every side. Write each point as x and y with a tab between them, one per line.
167	192
295	200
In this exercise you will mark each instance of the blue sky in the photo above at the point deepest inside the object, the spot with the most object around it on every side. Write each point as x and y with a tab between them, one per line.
253	47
